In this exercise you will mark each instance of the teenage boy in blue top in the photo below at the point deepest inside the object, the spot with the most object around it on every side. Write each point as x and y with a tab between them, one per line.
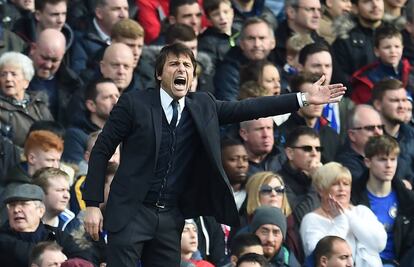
387	197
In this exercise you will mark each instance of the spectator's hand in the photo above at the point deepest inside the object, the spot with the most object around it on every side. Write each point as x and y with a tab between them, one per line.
93	222
322	94
335	208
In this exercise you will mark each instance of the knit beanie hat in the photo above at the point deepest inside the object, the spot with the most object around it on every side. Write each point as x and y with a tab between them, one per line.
268	215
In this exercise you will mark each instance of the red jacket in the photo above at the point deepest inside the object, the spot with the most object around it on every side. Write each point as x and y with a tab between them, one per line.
362	86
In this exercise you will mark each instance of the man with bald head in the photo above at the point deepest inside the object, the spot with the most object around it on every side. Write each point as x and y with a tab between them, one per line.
364	122
51	75
258	139
118	65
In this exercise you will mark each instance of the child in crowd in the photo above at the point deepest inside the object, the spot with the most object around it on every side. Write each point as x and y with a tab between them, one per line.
390	64
217	39
293	46
189	244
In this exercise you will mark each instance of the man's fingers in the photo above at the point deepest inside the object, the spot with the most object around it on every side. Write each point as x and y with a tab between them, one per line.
93	222
93	230
320	81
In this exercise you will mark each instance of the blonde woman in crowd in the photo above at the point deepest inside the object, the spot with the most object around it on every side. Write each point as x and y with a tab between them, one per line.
337	216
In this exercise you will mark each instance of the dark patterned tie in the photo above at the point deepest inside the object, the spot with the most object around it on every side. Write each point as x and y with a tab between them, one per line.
174	119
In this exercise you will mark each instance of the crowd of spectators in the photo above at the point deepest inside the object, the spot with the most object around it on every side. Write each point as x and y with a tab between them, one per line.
327	183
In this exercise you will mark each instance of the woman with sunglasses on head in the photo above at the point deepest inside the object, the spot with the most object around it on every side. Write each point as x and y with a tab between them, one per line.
337	216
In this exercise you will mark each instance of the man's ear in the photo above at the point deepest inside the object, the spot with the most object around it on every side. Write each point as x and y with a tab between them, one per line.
37	15
172	20
31	158
376	52
367	162
351	135
233	260
243	134
90	105
289	153
323	261
377	105
98	13
290	12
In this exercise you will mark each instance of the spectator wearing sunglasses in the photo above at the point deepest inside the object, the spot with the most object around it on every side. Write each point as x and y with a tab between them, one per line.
303	151
263	189
268	189
336	215
364	122
310	116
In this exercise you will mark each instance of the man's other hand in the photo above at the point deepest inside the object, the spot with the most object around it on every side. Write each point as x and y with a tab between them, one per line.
93	222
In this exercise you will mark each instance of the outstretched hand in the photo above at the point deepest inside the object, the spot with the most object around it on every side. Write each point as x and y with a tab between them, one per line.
323	94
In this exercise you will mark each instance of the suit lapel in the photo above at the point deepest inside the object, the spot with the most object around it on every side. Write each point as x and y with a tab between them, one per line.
156	110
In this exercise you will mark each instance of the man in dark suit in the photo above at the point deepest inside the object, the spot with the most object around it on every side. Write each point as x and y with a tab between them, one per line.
170	161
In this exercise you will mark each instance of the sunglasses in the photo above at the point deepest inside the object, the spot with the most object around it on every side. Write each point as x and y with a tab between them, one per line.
309	148
370	128
267	189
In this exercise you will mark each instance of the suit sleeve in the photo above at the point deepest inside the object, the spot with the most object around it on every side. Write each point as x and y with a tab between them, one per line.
260	107
116	128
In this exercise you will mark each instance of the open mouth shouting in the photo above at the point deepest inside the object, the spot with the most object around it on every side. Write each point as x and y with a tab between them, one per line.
180	82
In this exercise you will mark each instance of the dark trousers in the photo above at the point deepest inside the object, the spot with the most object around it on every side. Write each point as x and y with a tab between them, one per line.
152	236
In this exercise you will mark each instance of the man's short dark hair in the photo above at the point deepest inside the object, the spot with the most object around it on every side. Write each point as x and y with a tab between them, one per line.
242	241
175	49
299	131
40	4
311	49
91	91
228	142
381	145
254	258
325	246
211	5
180	32
301	78
175	4
386	31
385	85
48	125
40	248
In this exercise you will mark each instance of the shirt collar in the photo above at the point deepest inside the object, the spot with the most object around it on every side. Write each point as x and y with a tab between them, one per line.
166	100
101	34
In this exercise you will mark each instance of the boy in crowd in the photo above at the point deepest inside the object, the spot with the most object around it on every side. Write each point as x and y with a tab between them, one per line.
55	185
189	244
388	49
387	197
217	39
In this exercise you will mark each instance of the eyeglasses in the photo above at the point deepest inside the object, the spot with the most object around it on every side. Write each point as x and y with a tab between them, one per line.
370	128
267	189
309	148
